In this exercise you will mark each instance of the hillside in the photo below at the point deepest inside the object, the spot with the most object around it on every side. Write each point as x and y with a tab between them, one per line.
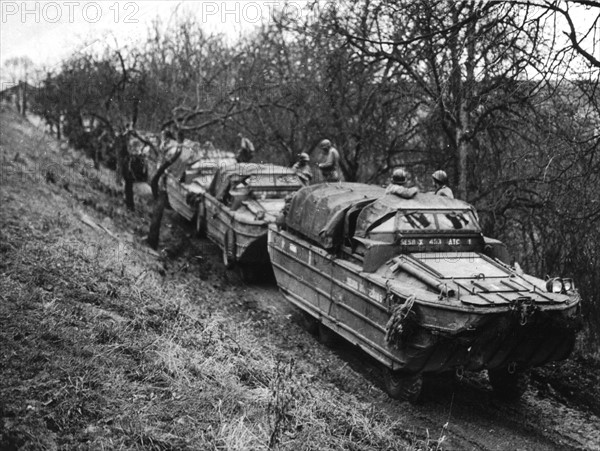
105	344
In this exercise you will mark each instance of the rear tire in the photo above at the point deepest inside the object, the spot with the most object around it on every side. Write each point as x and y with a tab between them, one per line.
406	387
229	249
308	322
327	336
248	273
507	385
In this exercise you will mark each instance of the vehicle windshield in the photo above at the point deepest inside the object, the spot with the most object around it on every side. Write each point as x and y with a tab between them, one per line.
404	221
272	186
273	181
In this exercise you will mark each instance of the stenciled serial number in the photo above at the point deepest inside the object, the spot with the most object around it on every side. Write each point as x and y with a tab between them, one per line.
435	241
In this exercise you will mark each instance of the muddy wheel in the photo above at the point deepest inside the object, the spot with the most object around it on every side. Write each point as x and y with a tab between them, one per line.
308	322
508	385
406	387
254	272
327	336
229	249
201	221
248	272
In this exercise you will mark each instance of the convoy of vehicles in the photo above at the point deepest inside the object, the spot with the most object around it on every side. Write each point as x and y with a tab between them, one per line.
412	282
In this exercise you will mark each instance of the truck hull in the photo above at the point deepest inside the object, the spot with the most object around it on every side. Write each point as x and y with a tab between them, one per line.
247	239
442	336
178	194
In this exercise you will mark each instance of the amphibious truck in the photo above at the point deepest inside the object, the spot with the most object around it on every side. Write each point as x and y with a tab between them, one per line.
415	284
236	209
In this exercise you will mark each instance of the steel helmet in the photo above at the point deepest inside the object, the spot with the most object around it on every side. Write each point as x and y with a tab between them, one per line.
325	144
440	176
303	157
399	176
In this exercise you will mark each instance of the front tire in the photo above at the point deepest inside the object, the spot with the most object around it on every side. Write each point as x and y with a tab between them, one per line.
406	387
508	385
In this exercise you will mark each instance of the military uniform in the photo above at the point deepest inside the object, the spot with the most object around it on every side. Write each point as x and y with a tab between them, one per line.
330	167
445	191
304	172
401	191
246	152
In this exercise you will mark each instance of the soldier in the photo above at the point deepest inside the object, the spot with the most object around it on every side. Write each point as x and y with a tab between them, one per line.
246	151
398	185
330	166
302	168
440	180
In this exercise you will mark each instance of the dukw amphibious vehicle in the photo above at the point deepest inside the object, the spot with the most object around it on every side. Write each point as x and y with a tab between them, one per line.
414	283
235	211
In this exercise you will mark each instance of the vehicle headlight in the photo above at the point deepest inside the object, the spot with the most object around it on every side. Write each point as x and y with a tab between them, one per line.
555	285
568	285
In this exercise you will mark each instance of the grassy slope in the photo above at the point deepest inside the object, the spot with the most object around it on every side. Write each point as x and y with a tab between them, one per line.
106	346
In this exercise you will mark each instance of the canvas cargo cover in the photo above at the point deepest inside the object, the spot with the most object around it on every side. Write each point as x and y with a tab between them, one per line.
228	177
389	204
318	211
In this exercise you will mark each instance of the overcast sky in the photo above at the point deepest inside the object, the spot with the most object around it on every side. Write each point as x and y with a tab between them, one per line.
49	31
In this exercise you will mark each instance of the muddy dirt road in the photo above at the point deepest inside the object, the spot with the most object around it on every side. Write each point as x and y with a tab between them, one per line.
560	410
463	409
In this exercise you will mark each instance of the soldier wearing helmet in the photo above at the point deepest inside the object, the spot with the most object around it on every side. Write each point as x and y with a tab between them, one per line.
398	185
302	168
440	180
246	151
330	166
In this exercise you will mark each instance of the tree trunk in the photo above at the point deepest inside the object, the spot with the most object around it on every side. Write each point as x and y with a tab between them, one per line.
459	109
120	148
154	184
119	170
129	200
124	171
463	152
97	147
157	214
23	100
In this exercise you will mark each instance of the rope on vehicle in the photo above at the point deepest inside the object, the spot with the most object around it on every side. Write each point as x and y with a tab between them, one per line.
402	322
